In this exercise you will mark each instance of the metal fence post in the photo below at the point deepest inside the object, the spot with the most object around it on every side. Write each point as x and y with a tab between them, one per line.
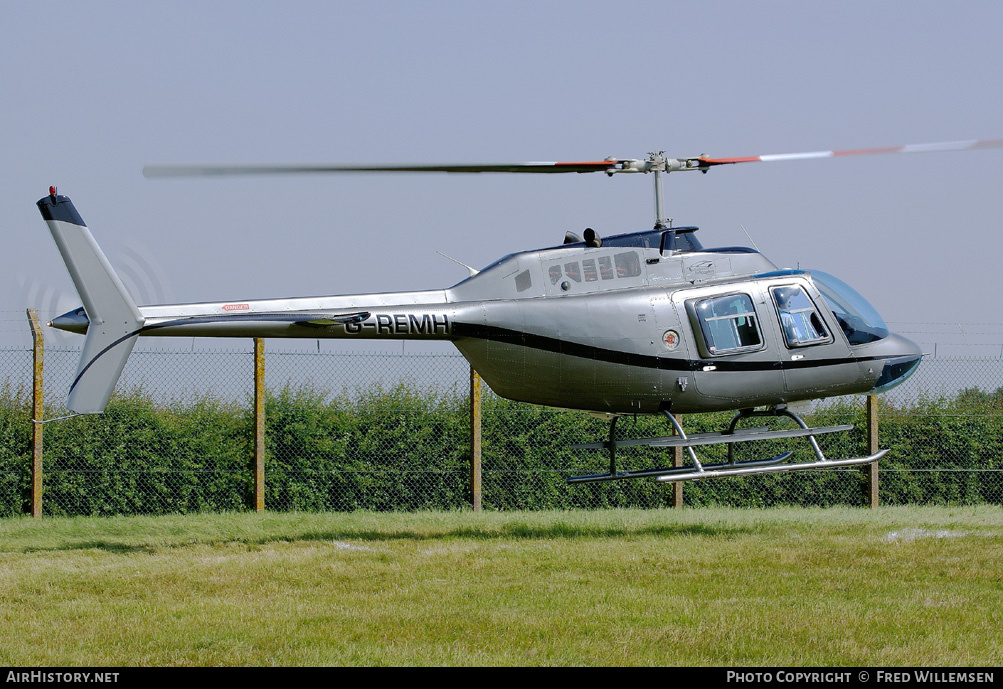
872	447
259	424
37	410
475	440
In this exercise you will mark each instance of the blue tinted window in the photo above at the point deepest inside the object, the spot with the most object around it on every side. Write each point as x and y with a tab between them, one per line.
858	320
798	317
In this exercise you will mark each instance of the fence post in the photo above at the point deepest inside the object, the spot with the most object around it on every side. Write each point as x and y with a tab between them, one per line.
677	461
259	424
872	447
37	410
475	439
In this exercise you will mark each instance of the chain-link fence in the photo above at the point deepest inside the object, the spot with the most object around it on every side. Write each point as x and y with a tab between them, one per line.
391	431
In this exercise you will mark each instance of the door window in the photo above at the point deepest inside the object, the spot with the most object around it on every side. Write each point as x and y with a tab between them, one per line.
799	318
728	324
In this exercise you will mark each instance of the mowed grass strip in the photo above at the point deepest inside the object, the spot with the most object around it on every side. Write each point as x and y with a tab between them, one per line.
904	586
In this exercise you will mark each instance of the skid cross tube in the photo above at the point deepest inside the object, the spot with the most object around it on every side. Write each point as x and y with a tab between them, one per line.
682	434
611	446
772	411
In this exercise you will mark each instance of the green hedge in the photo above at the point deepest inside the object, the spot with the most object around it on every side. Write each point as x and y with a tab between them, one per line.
15	450
408	449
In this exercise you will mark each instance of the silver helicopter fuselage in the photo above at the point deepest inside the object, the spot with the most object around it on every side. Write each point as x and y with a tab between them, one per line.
638	323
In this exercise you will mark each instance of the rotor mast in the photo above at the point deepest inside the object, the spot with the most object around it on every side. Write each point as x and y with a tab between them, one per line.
660	218
657	164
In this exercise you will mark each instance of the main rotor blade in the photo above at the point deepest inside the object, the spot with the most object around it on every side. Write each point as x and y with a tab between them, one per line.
225	170
654	163
911	148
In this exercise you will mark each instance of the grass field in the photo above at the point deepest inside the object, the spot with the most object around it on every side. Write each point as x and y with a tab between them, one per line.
888	587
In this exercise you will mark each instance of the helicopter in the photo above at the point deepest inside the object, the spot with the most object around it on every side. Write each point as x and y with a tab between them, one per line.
647	322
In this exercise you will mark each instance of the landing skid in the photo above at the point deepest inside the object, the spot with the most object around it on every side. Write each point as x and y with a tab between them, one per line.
732	435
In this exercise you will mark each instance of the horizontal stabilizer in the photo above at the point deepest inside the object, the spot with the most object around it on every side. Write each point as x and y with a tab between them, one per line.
114	320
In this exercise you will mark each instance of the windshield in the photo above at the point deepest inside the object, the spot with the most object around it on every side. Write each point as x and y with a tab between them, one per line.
859	321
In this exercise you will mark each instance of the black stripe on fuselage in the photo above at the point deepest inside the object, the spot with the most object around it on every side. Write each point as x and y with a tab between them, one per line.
523	339
613	356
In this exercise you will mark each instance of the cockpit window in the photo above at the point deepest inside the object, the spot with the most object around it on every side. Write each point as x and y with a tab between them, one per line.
858	320
801	323
728	324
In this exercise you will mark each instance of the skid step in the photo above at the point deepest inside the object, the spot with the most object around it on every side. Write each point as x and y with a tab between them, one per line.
715	437
649	442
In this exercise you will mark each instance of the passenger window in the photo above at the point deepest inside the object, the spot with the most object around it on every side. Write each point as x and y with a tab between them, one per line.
572	271
800	320
606	267
555	274
589	270
729	324
628	264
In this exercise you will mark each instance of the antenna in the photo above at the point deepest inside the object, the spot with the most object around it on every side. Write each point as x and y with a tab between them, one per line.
750	237
472	271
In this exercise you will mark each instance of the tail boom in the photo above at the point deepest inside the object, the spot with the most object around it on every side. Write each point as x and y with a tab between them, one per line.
403	315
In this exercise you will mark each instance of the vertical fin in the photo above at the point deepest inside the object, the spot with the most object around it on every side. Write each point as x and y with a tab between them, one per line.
115	320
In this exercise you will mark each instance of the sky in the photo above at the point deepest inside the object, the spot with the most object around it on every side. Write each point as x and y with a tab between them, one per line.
92	92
